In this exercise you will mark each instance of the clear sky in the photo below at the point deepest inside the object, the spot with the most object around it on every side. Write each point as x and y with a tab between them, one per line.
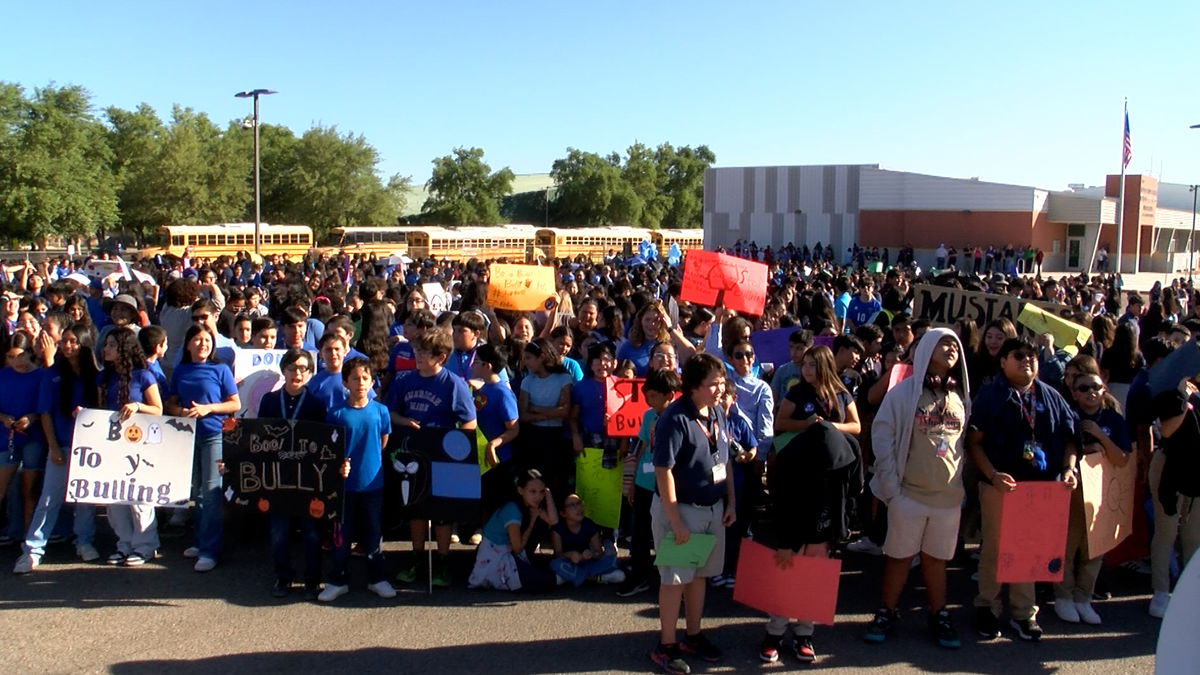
1019	92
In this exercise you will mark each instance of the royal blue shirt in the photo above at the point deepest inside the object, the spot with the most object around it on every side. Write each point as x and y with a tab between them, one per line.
495	407
330	390
365	428
440	401
51	404
110	388
20	395
204	383
590	396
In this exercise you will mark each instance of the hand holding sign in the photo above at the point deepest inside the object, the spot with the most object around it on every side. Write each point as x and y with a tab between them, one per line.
1033	532
625	406
741	284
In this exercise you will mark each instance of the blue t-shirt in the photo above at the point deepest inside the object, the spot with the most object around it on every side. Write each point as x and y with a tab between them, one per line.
330	390
495	406
640	356
860	312
196	383
110	388
401	358
20	395
365	428
439	401
573	368
51	404
495	529
589	395
159	376
644	476
544	392
459	363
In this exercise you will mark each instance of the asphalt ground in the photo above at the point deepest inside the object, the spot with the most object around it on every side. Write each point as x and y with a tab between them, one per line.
71	617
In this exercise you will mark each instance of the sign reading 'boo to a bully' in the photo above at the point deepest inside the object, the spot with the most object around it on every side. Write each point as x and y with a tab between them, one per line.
146	459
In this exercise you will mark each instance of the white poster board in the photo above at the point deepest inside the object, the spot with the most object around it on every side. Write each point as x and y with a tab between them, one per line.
256	372
439	298
146	459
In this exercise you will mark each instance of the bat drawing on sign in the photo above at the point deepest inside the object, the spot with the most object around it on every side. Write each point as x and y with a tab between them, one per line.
178	426
414	476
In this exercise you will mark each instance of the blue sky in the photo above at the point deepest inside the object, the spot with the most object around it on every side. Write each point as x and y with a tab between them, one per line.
1019	92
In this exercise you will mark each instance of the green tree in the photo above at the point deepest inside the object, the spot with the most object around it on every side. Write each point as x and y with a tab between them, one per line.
55	165
136	138
645	177
463	189
683	187
592	191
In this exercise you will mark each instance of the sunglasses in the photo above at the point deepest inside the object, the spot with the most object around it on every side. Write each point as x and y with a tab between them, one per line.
1022	355
1089	388
743	355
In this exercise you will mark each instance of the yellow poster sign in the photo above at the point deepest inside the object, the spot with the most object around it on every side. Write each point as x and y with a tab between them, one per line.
524	288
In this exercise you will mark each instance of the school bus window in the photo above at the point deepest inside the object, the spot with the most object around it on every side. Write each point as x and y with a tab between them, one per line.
304	238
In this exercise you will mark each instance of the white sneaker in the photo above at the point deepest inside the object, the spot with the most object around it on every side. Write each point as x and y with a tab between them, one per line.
191	552
1066	610
864	545
25	564
87	552
333	592
383	589
1158	604
454	538
476	539
1086	613
613	577
204	564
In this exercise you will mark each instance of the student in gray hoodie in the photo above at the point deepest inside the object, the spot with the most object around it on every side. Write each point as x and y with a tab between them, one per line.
918	437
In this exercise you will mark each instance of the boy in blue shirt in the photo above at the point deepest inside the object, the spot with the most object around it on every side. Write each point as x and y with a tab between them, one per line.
153	340
466	329
432	397
367	426
327	383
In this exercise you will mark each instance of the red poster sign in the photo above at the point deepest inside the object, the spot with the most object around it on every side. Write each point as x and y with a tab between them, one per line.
625	405
806	590
1033	532
711	278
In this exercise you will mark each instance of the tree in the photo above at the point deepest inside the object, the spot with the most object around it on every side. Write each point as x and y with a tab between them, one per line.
647	180
55	165
683	169
463	189
136	138
592	191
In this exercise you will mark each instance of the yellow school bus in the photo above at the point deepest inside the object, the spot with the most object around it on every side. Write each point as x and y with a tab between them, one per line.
210	241
687	238
591	242
463	243
382	240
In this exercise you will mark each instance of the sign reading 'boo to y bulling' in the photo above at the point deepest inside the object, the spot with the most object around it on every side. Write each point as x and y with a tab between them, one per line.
147	459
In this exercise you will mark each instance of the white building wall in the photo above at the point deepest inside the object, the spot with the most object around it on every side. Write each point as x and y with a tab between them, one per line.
884	190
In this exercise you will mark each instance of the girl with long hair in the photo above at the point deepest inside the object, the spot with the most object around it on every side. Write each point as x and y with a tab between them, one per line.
20	386
544	404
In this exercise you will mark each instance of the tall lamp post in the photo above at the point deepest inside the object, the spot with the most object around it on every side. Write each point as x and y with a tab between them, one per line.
255	93
1192	238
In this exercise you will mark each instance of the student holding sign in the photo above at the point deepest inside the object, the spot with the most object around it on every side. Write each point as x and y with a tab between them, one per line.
588	398
1020	429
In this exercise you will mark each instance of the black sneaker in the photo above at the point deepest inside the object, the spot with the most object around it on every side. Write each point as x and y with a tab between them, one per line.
1028	630
768	651
986	623
699	645
632	587
942	629
670	659
802	647
280	588
881	625
311	591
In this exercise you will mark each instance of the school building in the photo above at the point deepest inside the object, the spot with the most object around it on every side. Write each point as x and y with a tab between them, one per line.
841	204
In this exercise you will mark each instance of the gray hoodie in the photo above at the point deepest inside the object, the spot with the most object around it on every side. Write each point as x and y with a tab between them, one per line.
891	432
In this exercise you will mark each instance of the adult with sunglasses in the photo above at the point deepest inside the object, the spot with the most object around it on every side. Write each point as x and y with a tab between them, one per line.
1020	429
205	314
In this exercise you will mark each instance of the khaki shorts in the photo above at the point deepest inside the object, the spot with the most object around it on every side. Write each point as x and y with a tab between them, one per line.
698	519
914	528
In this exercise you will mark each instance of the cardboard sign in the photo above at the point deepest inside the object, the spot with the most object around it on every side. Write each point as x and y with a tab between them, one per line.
715	278
433	474
899	373
286	467
146	459
1107	501
599	488
438	297
256	372
692	553
625	405
807	590
1033	532
99	269
525	288
1068	336
943	306
771	346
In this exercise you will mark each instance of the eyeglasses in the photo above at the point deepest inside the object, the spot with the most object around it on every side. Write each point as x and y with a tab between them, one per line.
200	317
743	355
298	369
1089	388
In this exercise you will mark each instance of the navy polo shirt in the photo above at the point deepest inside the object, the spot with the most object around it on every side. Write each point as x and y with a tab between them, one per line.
997	412
680	444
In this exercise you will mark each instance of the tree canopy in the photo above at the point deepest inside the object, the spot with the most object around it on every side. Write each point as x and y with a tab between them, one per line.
463	189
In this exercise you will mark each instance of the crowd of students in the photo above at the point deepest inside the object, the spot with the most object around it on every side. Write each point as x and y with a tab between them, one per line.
799	454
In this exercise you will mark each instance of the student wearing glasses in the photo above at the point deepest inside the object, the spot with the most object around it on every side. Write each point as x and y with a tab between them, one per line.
1020	429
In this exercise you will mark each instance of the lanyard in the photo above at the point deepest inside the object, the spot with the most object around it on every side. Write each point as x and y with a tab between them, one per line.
711	432
1029	414
283	403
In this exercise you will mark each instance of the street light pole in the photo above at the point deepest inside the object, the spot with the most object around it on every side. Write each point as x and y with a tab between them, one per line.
255	93
1192	238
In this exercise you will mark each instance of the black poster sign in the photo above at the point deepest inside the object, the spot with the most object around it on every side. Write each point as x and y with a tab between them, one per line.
287	467
432	474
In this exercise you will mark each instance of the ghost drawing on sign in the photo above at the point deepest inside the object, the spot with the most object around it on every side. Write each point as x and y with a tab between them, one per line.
154	434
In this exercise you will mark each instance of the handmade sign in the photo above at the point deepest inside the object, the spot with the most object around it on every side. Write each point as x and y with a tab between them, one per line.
625	405
692	553
771	346
99	269
438	297
715	278
1033	532
1107	501
147	459
942	306
1181	363
1068	336
599	488
256	372
285	467
434	473
524	288
807	590
899	373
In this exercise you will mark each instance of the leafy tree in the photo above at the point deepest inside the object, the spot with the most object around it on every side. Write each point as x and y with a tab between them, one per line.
592	191
684	185
647	180
55	165
463	189
136	138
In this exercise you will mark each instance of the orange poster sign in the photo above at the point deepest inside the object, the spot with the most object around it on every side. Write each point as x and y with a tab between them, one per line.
715	278
1033	532
525	288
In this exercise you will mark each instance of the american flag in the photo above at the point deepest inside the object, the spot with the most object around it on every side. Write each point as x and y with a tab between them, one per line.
1127	150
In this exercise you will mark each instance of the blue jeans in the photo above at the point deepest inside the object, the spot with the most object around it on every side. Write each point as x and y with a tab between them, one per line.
281	529
206	484
362	519
50	503
581	572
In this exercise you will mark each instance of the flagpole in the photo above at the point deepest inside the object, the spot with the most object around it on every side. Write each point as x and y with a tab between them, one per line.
1121	193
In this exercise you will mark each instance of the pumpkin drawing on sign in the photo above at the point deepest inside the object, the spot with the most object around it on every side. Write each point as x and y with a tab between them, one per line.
316	508
264	505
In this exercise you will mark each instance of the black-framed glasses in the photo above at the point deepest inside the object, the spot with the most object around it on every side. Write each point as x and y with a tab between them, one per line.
743	355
